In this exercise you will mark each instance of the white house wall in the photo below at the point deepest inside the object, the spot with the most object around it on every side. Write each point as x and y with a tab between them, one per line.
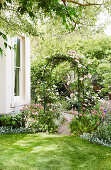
9	81
2	78
27	70
9	102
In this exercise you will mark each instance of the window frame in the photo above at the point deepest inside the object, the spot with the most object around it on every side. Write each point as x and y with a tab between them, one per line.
20	69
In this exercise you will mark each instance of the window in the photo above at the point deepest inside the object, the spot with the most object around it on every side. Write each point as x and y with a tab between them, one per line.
17	66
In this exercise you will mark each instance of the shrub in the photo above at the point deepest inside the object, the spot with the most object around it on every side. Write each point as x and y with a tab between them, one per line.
36	119
14	121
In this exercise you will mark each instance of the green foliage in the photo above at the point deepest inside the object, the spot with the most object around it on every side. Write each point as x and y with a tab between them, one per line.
104	71
88	120
13	121
104	132
24	16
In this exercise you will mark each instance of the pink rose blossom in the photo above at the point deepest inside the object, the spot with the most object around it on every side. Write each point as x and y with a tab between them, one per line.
80	115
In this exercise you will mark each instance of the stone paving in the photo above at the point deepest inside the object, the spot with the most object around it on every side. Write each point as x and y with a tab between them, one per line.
64	128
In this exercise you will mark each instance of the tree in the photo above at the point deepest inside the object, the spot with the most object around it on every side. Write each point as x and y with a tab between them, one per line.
24	14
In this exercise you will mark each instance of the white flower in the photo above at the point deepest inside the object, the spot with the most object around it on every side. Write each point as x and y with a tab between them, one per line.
81	79
71	95
89	75
74	81
93	97
79	65
69	82
75	98
85	76
54	86
77	60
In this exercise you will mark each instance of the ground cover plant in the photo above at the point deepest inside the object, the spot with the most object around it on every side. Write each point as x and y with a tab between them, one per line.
51	151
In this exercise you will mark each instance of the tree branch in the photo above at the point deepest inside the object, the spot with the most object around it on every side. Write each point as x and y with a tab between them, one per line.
78	3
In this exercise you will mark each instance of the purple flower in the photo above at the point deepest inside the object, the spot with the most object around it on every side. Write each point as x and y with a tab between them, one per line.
105	111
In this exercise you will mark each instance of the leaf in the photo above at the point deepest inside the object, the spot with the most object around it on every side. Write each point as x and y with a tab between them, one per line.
13	122
1	52
5	44
10	47
0	6
31	14
4	36
9	1
1	33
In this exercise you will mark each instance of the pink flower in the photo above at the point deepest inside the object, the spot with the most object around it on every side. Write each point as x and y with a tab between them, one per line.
83	108
104	123
101	108
80	115
89	104
103	113
76	113
97	123
21	109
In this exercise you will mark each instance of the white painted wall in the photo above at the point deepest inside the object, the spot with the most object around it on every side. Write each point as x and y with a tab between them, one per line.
9	102
2	79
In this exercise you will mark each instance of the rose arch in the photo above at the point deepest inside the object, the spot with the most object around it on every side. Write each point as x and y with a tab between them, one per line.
78	65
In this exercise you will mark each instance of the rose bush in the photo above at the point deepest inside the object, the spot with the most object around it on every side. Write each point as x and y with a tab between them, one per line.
36	119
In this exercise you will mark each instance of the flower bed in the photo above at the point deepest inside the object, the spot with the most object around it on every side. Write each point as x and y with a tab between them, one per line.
94	124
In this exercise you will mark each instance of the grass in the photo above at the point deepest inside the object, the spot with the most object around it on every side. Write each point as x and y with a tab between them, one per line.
51	152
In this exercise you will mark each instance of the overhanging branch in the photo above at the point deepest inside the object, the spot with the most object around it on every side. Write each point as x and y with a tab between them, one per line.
78	3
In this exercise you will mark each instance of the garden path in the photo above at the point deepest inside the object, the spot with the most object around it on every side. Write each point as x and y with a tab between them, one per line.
64	128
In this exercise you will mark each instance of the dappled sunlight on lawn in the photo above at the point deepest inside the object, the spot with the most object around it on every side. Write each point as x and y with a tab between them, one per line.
44	148
44	151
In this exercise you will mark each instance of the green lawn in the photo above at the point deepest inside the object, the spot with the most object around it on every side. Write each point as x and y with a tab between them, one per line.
51	152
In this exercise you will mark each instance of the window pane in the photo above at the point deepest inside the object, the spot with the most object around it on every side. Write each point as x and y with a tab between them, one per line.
17	52
17	67
16	87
